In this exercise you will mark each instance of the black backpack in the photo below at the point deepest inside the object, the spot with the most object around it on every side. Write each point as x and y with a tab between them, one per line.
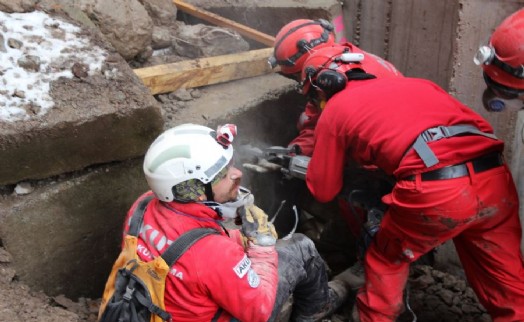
134	291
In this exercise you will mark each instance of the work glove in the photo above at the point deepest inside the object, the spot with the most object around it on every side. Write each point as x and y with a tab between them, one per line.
256	226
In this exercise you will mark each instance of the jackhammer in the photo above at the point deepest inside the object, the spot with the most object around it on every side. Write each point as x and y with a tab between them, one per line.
360	207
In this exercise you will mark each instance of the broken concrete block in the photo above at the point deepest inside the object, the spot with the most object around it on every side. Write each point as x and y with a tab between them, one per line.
57	118
65	235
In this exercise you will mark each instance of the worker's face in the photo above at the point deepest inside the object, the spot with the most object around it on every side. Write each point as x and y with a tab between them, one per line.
226	189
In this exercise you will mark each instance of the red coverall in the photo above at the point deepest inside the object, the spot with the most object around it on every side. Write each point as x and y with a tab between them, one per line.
375	122
207	278
308	119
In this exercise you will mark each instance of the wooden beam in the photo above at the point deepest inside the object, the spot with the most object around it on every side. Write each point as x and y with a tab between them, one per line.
223	22
205	71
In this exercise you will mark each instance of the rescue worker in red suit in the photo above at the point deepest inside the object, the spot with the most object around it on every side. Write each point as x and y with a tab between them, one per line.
236	275
451	182
293	45
502	62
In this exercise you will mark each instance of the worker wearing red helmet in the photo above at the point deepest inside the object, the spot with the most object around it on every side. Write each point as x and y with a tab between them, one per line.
502	62
294	42
451	181
293	45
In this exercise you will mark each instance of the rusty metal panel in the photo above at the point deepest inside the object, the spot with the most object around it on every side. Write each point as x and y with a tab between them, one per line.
421	38
417	36
374	35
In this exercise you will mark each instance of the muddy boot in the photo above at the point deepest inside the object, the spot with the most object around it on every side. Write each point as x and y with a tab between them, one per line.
338	294
353	277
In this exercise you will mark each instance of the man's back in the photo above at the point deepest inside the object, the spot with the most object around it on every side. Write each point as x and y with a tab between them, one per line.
376	121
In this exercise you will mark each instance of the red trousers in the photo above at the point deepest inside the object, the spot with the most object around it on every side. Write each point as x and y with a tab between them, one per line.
479	212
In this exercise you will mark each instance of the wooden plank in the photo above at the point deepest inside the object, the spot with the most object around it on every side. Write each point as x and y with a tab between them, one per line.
223	22
205	71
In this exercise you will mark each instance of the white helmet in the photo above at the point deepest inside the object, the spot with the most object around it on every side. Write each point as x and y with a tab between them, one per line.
186	152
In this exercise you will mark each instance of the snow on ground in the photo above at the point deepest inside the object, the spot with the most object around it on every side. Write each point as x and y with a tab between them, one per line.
47	48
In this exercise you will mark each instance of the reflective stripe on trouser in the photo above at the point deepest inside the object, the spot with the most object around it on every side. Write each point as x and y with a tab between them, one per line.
301	272
479	212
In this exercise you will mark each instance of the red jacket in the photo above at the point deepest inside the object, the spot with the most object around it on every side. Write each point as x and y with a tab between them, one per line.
309	118
374	122
215	273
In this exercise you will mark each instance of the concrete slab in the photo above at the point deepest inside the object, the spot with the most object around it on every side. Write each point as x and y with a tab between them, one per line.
64	236
233	102
98	116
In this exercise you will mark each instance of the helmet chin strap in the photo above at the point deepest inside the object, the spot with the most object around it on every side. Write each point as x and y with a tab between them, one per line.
209	191
228	210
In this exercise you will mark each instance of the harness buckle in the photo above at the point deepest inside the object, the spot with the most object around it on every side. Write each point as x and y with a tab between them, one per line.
128	294
436	133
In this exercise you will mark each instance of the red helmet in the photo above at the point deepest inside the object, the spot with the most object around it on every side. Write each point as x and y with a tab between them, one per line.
328	69
503	60
294	41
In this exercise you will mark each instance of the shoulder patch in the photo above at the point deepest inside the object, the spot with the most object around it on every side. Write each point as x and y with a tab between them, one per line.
242	267
253	279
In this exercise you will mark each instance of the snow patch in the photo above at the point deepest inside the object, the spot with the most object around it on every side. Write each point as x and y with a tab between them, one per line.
55	46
